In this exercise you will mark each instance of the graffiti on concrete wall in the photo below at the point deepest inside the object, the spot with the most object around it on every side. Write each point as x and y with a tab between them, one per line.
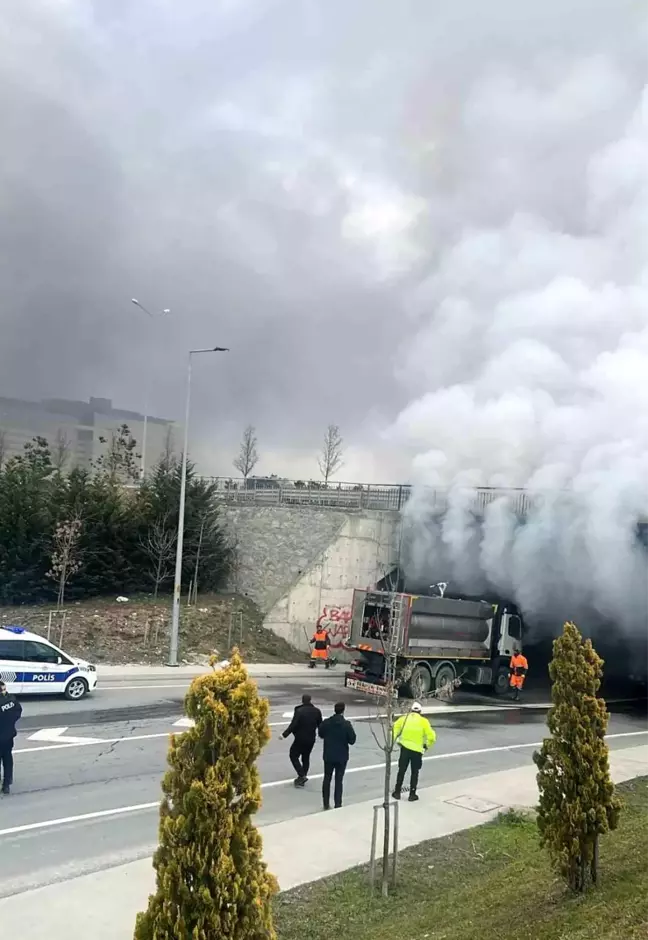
337	623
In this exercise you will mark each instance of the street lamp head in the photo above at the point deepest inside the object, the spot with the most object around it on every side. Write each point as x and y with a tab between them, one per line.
162	313
211	349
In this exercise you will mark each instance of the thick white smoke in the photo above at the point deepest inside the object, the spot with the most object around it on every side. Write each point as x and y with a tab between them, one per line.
527	351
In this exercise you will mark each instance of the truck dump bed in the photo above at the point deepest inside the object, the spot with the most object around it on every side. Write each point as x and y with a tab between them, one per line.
427	626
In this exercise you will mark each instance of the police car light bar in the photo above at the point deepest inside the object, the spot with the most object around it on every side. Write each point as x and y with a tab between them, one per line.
12	629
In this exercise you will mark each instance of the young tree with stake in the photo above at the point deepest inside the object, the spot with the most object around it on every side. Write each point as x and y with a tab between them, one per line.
159	546
211	880
577	799
248	456
66	555
331	457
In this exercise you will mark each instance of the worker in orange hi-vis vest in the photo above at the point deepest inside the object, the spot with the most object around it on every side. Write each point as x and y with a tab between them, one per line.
518	668
320	643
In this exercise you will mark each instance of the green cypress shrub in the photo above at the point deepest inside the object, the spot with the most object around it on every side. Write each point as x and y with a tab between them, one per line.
577	799
211	881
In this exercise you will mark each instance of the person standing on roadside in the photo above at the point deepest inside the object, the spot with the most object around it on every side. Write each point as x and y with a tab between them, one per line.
321	642
338	735
303	727
518	668
415	735
10	712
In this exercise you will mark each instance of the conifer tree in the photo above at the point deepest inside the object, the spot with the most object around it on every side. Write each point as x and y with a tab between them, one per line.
211	881
577	799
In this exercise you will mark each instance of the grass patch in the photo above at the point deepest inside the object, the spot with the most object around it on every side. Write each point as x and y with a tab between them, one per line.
493	881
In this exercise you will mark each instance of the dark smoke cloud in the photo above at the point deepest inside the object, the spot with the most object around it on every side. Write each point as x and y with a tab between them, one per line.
290	179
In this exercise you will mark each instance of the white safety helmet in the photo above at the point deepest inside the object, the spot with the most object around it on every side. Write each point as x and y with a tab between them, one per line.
416	707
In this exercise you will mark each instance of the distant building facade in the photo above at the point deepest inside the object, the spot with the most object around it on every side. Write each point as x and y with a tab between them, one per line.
73	429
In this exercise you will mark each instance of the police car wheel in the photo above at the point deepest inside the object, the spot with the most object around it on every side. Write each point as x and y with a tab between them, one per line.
76	690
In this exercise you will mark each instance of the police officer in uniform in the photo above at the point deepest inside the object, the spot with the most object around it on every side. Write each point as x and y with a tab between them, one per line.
10	712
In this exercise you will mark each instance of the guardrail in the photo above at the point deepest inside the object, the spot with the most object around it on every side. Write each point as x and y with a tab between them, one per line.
358	496
344	496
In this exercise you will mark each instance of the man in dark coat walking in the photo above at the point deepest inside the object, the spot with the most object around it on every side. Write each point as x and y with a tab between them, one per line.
305	722
337	734
10	712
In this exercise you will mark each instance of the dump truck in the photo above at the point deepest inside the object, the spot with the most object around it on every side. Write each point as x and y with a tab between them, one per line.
434	640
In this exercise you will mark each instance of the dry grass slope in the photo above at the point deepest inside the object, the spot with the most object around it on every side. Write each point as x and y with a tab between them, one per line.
103	630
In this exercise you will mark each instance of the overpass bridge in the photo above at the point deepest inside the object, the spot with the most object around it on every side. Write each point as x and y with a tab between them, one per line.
354	497
302	547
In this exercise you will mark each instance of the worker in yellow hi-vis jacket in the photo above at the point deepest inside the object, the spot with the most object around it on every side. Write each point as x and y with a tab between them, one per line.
415	735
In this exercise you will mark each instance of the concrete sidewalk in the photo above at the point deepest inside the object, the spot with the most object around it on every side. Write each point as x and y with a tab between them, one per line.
297	851
139	673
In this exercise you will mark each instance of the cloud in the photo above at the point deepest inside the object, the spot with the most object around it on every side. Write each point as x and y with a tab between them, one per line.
405	215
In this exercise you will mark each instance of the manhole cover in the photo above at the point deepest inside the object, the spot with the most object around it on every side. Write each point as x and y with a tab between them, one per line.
475	804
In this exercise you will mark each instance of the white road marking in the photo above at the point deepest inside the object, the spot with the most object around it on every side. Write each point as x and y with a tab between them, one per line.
271	784
184	723
99	814
58	736
87	742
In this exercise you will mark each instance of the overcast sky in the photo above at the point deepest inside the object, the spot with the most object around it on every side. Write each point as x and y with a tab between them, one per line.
286	176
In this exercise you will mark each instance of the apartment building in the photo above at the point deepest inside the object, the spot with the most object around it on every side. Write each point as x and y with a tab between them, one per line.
74	429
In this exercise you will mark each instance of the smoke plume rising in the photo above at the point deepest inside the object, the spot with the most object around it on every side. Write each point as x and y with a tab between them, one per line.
527	359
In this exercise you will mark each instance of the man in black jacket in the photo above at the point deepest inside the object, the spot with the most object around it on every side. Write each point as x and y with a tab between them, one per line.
305	722
10	712
337	734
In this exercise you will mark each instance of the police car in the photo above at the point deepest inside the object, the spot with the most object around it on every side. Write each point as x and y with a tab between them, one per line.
31	665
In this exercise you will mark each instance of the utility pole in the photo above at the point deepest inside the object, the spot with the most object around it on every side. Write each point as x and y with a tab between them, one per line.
177	584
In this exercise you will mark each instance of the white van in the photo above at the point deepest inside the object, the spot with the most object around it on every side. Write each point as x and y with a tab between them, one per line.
30	664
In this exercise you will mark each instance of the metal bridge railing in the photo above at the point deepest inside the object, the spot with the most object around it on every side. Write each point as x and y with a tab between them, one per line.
272	491
345	496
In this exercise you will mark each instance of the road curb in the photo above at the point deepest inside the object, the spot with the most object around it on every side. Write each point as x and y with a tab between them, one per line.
108	673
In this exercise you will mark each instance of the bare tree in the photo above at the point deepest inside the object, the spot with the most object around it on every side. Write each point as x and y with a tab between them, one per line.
248	456
66	554
330	459
159	546
236	564
60	450
119	459
3	447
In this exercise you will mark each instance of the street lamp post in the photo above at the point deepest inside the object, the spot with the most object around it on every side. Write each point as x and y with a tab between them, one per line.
148	390
177	584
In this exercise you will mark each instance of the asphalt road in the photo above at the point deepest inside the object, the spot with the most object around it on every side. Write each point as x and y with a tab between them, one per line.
114	783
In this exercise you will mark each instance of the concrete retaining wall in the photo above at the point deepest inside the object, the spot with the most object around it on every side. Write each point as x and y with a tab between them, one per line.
301	565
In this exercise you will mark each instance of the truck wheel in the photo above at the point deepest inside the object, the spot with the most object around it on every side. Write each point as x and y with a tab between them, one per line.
420	681
501	683
445	675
